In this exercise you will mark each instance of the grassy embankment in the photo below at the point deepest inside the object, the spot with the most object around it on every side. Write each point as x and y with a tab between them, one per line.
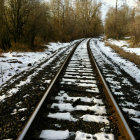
127	55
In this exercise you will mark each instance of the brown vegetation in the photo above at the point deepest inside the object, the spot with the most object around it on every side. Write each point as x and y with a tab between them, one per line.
123	21
127	55
133	44
26	24
117	28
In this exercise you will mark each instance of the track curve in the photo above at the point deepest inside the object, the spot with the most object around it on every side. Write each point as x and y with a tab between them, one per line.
75	104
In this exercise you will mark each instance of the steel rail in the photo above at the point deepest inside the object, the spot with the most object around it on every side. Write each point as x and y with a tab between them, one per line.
34	114
123	126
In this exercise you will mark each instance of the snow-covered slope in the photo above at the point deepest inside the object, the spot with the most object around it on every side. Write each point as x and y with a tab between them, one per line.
14	63
125	46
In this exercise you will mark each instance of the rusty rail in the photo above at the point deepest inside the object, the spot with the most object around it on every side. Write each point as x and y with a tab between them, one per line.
122	124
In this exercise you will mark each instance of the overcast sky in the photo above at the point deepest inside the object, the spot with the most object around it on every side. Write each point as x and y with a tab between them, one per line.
113	2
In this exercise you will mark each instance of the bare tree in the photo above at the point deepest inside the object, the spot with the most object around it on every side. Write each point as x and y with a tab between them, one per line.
18	13
123	21
5	42
27	21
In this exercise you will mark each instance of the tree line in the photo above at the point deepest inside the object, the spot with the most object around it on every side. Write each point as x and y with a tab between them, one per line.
30	22
123	21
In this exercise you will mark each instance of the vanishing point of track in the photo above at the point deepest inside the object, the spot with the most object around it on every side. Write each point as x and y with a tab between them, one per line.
78	100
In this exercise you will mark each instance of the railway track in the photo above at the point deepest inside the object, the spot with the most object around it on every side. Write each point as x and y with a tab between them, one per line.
77	105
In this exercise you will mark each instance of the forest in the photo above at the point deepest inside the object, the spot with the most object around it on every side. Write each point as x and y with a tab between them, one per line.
27	24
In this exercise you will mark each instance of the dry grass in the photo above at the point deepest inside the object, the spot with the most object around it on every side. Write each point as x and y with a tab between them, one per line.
127	55
133	44
1	55
1	52
40	48
21	47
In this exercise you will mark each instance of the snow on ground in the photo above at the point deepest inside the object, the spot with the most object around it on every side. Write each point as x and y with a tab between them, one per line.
35	58
65	134
78	107
94	118
54	135
68	107
120	84
120	43
124	64
64	96
12	63
125	46
62	116
97	136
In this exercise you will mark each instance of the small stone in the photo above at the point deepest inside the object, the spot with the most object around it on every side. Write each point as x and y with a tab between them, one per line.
9	74
94	138
107	137
29	64
88	137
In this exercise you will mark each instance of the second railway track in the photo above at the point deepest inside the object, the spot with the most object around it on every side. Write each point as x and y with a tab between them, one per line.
75	105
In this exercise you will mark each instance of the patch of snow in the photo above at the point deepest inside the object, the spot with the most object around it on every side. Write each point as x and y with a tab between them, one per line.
87	85
15	111
94	90
47	81
132	111
131	104
98	136
23	119
68	107
57	125
16	62
18	104
2	97
26	96
82	74
78	77
119	43
65	96
78	70
96	108
93	118
22	109
137	120
62	116
63	106
54	134
12	91
118	93
132	50
125	46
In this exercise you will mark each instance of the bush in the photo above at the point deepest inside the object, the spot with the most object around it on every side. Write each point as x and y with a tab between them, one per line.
20	47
